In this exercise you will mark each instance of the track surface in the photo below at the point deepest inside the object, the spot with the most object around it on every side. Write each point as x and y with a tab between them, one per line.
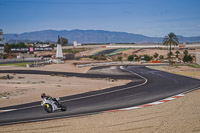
147	86
108	51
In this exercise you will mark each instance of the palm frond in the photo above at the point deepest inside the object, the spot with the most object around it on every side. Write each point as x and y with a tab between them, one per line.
171	39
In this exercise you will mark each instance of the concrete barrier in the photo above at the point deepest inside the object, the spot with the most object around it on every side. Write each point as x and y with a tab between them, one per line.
108	63
7	61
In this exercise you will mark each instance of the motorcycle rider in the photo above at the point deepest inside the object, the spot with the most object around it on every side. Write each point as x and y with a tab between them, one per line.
44	96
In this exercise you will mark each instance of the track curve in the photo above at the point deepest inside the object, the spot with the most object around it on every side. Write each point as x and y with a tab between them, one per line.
147	86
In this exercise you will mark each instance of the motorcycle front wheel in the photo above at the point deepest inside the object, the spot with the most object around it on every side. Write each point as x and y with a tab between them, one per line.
48	108
63	108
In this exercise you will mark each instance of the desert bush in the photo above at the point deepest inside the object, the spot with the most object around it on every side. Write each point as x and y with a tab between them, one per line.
98	57
7	77
177	54
187	58
119	58
133	57
155	55
147	57
185	52
5	56
161	57
130	58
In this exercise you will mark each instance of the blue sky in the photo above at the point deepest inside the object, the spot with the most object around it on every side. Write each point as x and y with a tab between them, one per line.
155	18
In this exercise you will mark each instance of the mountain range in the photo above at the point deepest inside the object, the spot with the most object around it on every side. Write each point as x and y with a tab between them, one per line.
90	36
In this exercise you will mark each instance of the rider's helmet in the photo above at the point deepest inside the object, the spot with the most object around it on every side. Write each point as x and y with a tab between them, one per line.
43	95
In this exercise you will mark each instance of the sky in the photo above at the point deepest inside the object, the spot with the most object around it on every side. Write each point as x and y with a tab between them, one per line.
155	18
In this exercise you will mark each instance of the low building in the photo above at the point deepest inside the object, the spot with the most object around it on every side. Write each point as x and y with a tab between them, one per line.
1	43
41	45
76	44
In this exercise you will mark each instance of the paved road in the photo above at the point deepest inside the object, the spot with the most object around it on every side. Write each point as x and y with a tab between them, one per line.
147	86
105	52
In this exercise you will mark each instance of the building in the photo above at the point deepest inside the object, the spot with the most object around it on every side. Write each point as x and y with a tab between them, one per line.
76	44
1	43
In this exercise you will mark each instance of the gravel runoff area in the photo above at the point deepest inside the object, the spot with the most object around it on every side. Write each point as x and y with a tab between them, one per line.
177	116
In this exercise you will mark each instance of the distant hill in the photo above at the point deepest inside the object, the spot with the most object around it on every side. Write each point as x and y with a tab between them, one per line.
12	41
90	36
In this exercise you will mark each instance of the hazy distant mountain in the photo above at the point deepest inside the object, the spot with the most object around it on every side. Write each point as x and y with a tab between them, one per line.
91	36
12	41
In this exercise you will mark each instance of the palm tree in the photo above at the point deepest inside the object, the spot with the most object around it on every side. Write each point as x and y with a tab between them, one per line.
171	39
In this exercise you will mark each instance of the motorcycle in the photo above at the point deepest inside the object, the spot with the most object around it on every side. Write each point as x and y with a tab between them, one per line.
51	105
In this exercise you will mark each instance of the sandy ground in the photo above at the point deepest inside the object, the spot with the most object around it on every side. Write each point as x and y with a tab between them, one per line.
178	116
30	87
181	70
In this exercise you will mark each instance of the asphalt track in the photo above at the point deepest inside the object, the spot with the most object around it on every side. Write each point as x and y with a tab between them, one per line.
105	52
147	86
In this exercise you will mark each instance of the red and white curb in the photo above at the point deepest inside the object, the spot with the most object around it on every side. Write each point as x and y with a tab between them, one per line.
149	104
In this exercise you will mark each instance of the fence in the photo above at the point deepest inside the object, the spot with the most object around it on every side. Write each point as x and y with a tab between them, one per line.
7	61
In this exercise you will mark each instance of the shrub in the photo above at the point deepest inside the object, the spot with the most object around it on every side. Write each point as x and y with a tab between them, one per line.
187	58
147	57
161	57
155	55
133	57
177	54
185	52
96	57
5	56
90	56
119	58
130	58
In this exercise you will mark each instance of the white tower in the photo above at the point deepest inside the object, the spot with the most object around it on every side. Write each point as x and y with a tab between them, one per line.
59	53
